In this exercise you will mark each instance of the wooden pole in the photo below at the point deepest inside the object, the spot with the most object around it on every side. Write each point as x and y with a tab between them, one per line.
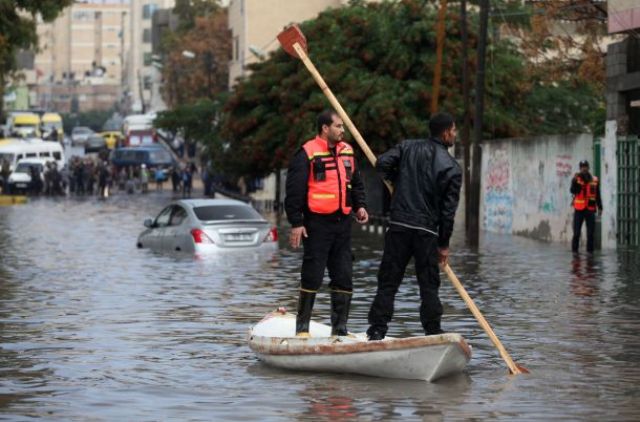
513	368
437	75
336	105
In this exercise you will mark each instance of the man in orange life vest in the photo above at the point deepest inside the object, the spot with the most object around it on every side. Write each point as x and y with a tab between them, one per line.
586	197
323	187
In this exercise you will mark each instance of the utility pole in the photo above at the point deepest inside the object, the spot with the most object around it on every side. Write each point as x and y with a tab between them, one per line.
466	118
437	75
473	231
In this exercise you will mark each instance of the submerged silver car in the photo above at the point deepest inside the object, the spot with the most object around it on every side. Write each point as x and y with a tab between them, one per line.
207	225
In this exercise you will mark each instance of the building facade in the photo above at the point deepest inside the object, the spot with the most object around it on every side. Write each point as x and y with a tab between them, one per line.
254	25
87	44
140	72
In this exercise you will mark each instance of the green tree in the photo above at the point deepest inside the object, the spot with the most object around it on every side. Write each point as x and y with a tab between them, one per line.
18	31
378	58
189	10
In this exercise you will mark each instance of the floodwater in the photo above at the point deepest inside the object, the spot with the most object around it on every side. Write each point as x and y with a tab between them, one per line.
92	328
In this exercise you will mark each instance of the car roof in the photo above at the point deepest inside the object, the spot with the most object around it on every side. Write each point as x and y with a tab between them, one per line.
194	203
35	160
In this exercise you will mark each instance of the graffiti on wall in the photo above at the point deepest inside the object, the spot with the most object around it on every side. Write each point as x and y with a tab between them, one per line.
563	165
553	196
498	198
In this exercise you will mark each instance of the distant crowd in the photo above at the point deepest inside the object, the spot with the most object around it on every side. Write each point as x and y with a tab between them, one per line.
93	176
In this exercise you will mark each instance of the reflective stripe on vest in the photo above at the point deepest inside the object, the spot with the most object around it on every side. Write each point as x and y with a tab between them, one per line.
329	184
586	198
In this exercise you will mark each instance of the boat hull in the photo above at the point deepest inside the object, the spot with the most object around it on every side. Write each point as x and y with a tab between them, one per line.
422	358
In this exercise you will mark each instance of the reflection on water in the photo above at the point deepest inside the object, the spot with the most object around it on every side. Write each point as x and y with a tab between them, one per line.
92	328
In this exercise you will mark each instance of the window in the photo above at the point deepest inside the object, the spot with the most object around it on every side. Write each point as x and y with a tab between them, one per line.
83	15
31	154
57	155
162	220
147	59
146	35
45	154
226	212
179	215
147	10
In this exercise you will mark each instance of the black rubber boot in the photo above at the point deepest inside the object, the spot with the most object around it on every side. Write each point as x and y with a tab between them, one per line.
340	303
433	328
305	306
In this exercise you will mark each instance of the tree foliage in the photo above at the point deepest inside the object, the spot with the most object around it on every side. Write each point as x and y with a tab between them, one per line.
378	59
189	10
196	121
186	80
18	30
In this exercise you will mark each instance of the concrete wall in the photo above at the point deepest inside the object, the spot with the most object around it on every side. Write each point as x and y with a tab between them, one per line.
525	185
609	185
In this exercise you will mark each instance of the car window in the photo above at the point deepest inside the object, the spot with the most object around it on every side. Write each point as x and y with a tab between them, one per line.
57	155
162	220
160	156
226	212
178	216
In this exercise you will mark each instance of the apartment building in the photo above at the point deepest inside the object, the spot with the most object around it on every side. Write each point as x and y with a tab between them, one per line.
140	71
86	45
88	39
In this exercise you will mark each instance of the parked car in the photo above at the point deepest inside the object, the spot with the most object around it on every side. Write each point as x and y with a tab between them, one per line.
79	135
50	122
95	143
112	138
206	225
20	180
152	156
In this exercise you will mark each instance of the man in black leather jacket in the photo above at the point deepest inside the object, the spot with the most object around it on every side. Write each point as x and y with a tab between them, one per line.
427	182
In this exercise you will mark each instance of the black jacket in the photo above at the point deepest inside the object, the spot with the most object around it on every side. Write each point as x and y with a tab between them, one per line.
427	182
295	202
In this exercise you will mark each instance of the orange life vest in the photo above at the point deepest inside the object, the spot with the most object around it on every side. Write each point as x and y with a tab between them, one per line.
586	198
329	185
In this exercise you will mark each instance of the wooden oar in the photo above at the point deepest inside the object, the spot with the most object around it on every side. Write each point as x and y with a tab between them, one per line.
294	43
514	368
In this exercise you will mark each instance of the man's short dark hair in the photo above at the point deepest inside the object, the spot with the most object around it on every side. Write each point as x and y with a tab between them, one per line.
325	118
439	123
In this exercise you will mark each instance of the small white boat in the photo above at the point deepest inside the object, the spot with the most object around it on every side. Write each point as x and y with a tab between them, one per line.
424	358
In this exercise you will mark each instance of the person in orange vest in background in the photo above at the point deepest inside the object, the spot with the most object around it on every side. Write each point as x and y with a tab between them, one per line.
586	199
323	188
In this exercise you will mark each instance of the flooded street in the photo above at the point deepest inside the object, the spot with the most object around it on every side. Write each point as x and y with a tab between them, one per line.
92	328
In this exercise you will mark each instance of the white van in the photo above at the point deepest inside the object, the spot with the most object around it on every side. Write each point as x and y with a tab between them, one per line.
16	150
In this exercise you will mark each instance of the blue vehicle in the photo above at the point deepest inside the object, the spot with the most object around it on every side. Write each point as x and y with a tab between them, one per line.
152	157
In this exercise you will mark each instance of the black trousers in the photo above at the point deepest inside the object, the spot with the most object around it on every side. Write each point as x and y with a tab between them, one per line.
578	218
400	244
328	245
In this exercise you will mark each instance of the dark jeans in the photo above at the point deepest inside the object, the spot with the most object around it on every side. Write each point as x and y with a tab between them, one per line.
400	244
578	218
328	245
